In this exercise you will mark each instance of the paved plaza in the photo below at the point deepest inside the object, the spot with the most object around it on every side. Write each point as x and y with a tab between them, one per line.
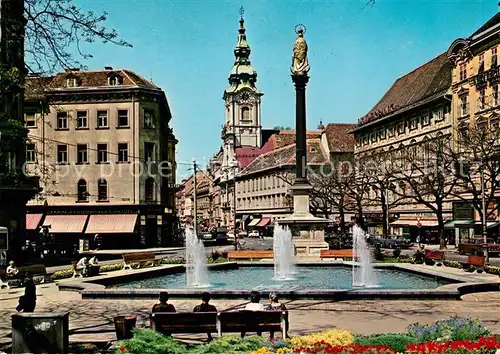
92	320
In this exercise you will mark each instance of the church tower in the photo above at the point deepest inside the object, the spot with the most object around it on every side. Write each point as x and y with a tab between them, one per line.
242	126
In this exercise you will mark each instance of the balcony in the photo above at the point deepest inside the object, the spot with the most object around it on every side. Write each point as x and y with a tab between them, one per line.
463	110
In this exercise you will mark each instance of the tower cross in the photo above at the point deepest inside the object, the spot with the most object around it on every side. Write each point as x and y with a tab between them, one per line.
242	11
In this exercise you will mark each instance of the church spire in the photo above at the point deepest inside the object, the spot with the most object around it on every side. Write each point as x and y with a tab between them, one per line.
242	75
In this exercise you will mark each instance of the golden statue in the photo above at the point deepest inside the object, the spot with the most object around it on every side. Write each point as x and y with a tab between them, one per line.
300	64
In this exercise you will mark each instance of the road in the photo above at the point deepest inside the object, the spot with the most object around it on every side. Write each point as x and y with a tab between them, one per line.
261	244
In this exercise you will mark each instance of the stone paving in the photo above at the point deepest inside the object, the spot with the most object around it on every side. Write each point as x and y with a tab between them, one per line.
92	320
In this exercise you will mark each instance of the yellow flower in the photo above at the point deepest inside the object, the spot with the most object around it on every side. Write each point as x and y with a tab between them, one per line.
263	350
333	337
283	350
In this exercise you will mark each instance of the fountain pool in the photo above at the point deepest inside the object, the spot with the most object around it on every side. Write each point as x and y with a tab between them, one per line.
261	278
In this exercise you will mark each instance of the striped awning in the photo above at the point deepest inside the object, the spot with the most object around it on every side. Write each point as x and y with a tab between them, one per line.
264	222
33	221
254	222
111	224
60	224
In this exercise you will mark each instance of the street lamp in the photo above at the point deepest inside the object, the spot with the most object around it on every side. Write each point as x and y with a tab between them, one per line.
234	166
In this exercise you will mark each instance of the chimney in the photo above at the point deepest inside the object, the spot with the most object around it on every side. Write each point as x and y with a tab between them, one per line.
68	70
108	68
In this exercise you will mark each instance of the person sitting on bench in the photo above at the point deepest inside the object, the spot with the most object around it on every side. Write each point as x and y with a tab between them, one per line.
254	305
276	305
83	266
93	261
205	307
12	271
163	306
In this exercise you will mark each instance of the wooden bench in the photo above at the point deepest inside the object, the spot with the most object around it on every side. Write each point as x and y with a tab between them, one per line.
6	282
138	258
250	255
434	258
184	322
348	253
251	321
474	263
37	270
93	270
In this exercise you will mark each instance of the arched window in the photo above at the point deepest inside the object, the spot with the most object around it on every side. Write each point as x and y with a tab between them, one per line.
82	191
102	190
245	113
149	187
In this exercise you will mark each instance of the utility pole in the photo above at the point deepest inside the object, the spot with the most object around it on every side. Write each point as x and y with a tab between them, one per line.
195	200
387	209
234	208
484	222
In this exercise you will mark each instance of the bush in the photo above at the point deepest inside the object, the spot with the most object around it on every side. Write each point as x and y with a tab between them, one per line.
333	337
147	341
396	341
231	344
377	253
396	253
455	328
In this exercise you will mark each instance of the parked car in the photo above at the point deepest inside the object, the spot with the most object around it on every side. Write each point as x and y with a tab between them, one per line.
230	237
221	238
207	236
254	233
391	243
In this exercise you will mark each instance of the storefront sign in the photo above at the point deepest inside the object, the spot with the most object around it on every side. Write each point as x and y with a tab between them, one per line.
463	211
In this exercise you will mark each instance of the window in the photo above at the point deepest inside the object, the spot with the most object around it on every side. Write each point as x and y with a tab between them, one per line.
82	193
114	80
463	71
438	115
62	154
81	119
481	63
71	82
30	120
149	119
358	142
245	113
102	119
391	131
373	137
413	124
382	134
123	152
365	140
401	128
82	154
481	100
102	190
464	106
494	96
149	152
62	120
102	153
149	188
123	117
494	57
30	153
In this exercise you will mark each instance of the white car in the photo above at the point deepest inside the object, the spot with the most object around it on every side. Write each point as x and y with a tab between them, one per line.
254	233
230	237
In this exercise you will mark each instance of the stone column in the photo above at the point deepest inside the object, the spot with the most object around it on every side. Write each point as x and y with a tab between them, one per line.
300	82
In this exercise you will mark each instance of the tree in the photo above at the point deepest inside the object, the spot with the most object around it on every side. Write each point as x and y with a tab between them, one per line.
477	160
426	177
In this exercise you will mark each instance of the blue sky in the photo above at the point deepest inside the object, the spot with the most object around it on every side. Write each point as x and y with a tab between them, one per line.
355	54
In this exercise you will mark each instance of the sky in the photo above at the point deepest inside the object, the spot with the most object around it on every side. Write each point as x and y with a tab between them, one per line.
355	52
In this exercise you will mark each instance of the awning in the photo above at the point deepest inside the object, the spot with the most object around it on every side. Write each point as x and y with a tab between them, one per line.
470	224
451	224
245	217
264	222
33	221
413	222
254	222
111	224
65	223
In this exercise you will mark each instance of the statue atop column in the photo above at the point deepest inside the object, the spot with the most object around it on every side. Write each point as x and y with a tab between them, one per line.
300	64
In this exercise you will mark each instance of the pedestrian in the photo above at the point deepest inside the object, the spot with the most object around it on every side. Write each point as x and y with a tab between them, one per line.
27	302
205	307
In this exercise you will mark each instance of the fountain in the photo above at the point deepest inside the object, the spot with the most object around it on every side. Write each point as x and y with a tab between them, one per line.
283	254
196	262
362	272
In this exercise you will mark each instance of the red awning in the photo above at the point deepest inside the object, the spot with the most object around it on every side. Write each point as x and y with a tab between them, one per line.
32	221
60	224
111	224
264	222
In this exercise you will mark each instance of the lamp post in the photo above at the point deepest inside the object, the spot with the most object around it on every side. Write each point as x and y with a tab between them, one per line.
483	218
234	166
419	225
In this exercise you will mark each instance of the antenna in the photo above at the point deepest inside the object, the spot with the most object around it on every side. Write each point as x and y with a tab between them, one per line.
242	11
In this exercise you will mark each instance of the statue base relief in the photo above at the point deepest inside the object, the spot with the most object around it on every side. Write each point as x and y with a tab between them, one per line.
308	231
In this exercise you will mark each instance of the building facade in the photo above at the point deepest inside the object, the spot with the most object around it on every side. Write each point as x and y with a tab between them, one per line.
101	143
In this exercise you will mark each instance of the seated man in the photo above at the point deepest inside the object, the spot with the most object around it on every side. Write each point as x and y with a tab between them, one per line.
93	261
163	306
83	265
12	271
254	305
205	307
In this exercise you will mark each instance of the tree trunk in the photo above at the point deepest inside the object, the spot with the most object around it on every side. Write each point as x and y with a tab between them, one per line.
442	236
361	220
341	219
385	226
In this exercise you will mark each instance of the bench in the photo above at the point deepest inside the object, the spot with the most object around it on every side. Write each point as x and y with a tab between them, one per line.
37	270
474	263
348	253
251	321
93	270
250	255
434	258
184	322
5	281
137	258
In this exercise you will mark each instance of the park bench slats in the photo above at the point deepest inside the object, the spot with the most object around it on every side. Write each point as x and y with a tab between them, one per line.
437	257
250	255
137	258
347	253
37	270
184	322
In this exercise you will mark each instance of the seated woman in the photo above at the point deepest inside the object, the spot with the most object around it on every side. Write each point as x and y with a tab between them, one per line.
276	305
12	272
254	305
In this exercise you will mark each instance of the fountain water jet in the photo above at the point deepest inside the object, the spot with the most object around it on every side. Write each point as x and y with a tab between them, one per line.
362	273
283	254
196	262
